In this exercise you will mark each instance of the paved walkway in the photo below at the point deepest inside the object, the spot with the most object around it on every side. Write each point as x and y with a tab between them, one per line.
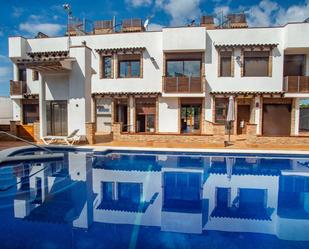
235	145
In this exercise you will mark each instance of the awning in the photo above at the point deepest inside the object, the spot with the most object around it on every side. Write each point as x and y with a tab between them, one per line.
126	94
247	93
48	62
261	46
131	50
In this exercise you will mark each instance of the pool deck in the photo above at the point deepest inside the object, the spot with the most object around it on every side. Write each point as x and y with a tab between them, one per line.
171	145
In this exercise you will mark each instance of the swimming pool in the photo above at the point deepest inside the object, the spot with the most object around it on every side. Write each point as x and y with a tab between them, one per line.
155	199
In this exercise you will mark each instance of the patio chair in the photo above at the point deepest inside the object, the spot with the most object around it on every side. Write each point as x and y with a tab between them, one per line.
69	140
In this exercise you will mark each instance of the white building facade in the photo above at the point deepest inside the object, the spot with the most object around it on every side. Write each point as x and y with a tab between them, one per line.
174	81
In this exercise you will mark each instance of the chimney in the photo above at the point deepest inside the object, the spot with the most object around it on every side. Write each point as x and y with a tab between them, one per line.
208	22
237	21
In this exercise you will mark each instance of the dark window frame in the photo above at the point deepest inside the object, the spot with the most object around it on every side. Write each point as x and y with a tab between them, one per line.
104	76
183	66
31	116
223	55
222	101
35	75
246	57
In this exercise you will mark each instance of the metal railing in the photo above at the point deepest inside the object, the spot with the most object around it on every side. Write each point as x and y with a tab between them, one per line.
182	84
296	84
25	141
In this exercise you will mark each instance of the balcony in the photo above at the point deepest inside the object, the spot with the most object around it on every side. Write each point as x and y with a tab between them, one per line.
18	87
296	84
182	85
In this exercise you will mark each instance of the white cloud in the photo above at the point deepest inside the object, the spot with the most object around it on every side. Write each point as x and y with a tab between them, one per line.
154	27
17	12
269	12
47	28
35	17
138	3
181	11
295	13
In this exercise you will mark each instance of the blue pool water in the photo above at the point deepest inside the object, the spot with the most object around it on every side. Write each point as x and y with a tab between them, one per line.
136	199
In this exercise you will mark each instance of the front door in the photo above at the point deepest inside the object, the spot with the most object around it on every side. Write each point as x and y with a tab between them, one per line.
191	118
57	114
243	118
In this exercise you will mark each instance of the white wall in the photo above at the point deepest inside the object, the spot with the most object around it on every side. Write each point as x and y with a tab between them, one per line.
57	86
32	85
168	115
243	36
16	109
6	113
184	38
296	35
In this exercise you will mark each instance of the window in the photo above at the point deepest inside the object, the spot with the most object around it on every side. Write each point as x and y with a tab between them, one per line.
129	69
304	115
35	75
294	65
221	106
225	64
107	67
129	66
22	73
30	113
107	191
256	63
130	192
181	68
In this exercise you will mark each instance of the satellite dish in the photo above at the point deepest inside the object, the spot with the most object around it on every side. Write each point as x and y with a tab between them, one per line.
146	23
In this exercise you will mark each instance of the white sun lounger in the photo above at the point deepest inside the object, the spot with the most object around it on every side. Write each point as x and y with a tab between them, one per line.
69	140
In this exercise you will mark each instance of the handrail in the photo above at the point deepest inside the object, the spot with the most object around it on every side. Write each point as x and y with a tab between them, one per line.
25	141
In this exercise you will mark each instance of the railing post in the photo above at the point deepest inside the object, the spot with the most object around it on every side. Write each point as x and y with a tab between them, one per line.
287	83
177	84
298	81
189	84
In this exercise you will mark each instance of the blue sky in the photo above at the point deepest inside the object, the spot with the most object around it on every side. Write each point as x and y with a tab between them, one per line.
26	18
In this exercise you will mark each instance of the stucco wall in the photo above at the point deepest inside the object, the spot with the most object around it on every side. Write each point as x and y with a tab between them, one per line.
168	115
6	113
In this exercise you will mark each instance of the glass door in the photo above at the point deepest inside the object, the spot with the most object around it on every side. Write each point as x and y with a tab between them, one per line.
57	124
191	118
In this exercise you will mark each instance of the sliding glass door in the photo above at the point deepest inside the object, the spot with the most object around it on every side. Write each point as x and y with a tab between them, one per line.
56	114
190	118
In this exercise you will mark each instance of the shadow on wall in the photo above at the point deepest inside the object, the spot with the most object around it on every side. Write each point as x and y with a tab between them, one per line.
147	56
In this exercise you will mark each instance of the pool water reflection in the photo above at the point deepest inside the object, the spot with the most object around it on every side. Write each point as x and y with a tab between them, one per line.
122	199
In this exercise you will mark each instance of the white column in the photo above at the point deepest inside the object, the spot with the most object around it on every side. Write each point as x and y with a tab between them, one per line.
296	117
131	108
79	99
15	72
258	110
42	106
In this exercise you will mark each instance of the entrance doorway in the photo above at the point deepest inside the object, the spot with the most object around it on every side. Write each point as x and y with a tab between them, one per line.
145	115
191	116
56	115
243	118
121	113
